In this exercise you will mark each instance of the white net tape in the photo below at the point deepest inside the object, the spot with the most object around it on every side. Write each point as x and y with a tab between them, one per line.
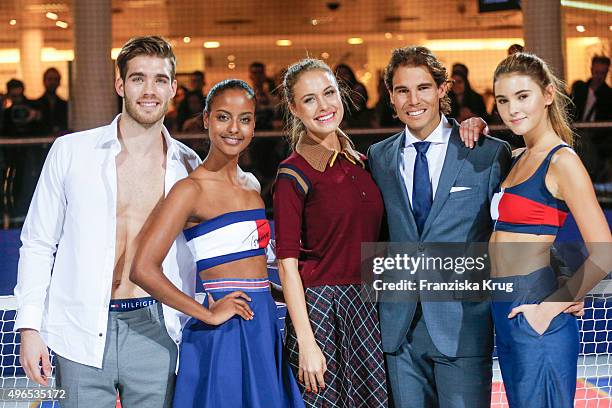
593	385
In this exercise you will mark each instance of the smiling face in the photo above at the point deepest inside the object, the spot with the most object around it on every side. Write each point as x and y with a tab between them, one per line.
147	89
231	121
416	99
522	104
317	102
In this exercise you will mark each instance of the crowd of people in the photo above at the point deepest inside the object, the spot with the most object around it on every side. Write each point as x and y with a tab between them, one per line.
124	217
48	115
23	117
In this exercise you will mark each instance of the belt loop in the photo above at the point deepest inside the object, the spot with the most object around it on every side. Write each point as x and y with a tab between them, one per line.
158	312
151	312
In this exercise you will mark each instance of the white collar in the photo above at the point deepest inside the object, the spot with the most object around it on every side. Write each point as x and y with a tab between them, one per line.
113	137
440	135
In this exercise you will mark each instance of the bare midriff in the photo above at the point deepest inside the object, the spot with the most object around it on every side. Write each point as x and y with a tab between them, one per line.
515	254
247	268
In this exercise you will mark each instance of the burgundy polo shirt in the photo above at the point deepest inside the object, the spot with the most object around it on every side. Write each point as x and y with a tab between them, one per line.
325	205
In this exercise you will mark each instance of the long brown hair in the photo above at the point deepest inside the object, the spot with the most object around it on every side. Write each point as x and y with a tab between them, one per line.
294	126
534	67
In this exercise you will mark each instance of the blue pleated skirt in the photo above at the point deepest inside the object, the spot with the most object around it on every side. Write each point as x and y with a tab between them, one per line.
238	364
539	370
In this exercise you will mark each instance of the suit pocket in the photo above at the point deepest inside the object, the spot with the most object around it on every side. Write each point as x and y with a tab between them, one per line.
459	195
556	324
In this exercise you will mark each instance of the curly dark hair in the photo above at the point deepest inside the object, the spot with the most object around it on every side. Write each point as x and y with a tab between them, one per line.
417	56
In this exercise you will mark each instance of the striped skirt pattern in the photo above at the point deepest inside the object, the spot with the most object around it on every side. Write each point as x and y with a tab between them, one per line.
237	364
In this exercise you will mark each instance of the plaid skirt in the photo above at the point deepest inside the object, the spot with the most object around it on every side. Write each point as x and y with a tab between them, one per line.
347	331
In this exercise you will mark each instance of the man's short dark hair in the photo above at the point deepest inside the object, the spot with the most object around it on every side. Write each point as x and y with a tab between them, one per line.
50	70
13	84
151	46
461	69
600	59
257	64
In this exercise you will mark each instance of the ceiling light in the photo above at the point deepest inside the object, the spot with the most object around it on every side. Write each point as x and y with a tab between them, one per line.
61	24
9	56
13	22
212	44
231	57
283	43
186	40
388	35
51	16
585	5
472	44
325	55
231	65
50	54
580	28
355	40
314	21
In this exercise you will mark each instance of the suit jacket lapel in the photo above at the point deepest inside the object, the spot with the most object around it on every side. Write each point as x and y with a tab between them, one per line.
456	153
404	202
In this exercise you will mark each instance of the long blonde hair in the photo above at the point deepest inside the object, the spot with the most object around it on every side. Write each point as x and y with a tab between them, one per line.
294	126
533	66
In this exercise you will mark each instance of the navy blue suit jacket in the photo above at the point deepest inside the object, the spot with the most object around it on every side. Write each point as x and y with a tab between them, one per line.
457	328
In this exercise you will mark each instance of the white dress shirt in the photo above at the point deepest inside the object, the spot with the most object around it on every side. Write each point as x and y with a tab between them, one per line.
73	216
435	155
589	113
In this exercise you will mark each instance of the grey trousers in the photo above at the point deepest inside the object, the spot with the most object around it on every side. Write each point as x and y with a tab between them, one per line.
139	363
422	377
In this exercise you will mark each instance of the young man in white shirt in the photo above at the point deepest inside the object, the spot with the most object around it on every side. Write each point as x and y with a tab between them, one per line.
94	194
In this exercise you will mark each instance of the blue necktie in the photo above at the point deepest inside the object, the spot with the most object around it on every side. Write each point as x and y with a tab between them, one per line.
422	193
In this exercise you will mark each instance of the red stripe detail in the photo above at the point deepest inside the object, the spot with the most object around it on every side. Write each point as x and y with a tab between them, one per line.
263	233
516	209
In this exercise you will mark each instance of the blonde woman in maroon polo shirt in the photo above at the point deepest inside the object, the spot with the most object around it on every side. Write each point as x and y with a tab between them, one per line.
325	205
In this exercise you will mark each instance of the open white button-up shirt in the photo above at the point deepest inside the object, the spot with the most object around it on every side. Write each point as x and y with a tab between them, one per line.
68	244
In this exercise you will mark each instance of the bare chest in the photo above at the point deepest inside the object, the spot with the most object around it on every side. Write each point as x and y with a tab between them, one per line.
140	186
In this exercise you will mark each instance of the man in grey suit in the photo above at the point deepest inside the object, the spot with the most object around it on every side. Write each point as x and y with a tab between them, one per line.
435	190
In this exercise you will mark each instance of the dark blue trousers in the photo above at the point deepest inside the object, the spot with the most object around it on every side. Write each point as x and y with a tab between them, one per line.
422	377
539	371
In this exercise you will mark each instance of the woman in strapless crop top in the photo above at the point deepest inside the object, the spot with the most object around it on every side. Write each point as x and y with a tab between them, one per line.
537	339
231	354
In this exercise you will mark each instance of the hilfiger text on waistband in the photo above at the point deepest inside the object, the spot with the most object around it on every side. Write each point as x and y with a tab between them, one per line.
127	305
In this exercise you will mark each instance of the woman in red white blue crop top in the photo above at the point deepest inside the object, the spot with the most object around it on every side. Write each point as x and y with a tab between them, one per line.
537	339
231	354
